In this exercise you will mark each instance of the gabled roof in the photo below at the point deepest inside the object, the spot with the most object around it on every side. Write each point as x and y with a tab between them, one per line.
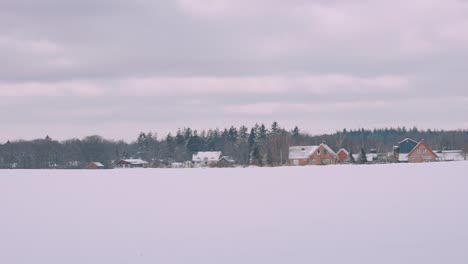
227	158
135	161
422	143
207	155
328	149
301	152
406	139
344	150
99	164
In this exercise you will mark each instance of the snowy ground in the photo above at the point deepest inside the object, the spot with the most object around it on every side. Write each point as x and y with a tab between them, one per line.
393	214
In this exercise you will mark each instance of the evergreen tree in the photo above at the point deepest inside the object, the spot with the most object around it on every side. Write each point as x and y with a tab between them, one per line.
262	132
232	134
194	143
179	138
296	132
243	133
275	129
362	157
252	138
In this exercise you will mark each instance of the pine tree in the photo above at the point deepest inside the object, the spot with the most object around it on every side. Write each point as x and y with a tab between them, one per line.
243	133
262	132
362	157
179	138
194	143
252	138
232	134
275	129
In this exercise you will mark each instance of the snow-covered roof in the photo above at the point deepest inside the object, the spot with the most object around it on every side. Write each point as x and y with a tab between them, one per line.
329	149
451	155
228	159
207	155
301	152
99	164
406	140
136	161
304	152
344	150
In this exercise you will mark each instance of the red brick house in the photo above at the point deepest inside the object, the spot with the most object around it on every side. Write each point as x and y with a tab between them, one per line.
312	155
421	153
343	155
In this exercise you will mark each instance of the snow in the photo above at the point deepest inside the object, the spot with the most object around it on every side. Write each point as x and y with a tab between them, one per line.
301	152
136	161
329	149
403	157
207	155
343	150
451	155
363	214
99	164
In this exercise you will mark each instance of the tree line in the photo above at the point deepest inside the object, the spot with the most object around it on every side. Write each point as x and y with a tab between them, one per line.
259	145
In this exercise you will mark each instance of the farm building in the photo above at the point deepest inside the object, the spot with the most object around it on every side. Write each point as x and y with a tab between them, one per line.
132	163
409	150
343	156
95	165
312	155
451	155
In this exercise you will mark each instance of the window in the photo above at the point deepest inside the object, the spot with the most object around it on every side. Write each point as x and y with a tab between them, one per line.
325	152
318	152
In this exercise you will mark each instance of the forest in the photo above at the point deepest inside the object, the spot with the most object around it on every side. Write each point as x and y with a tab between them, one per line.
260	145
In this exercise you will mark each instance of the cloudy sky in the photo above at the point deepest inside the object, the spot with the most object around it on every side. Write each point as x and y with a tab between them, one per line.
70	68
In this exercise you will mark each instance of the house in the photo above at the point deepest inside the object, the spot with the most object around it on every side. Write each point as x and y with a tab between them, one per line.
206	158
312	155
343	156
450	155
95	165
403	148
225	162
409	150
132	163
299	155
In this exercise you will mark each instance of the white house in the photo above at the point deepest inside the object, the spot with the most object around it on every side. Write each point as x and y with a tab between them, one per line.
206	158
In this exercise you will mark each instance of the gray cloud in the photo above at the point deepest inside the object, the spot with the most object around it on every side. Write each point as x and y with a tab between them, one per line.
207	63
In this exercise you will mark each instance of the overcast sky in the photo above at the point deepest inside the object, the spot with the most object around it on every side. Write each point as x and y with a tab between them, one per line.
71	68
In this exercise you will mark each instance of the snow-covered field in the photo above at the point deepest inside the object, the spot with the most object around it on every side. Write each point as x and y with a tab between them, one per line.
379	214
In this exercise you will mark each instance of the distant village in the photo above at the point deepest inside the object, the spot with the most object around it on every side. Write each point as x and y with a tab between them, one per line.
406	151
259	146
